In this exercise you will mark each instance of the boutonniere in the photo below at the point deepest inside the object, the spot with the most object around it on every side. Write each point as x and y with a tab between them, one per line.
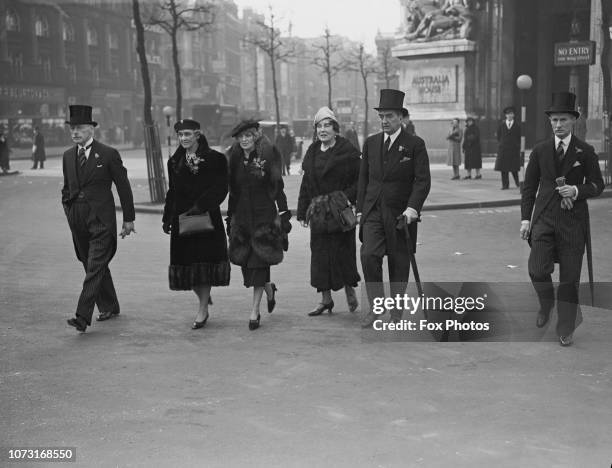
401	149
579	150
96	155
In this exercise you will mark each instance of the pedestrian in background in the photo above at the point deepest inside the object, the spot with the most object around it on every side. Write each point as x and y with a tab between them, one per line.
331	169
90	168
471	148
562	173
407	123
38	149
351	135
394	181
580	127
454	148
508	148
4	152
198	180
257	213
285	144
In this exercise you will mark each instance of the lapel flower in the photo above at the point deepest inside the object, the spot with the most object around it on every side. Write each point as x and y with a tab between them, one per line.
401	149
96	155
578	150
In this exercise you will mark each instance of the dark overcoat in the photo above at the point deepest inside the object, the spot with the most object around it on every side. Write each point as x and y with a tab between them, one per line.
39	142
404	181
103	168
256	196
471	147
201	258
333	263
508	147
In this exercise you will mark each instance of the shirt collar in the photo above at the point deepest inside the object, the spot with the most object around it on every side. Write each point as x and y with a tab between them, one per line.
566	142
87	144
393	136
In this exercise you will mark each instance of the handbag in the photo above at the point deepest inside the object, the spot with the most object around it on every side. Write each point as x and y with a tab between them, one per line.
195	224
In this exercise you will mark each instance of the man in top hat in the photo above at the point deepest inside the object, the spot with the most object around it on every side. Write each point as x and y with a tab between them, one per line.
562	173
508	148
394	181
90	168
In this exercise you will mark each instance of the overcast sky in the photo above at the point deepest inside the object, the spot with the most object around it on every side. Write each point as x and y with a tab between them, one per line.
356	19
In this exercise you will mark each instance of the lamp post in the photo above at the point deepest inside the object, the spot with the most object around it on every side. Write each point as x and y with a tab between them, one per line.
523	83
168	112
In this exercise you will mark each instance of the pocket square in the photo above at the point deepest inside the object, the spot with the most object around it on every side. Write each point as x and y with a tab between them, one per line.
404	159
576	164
99	165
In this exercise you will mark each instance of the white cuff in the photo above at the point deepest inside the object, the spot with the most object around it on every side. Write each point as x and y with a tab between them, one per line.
576	190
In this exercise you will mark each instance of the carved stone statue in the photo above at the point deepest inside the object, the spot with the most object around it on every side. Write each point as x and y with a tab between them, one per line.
428	20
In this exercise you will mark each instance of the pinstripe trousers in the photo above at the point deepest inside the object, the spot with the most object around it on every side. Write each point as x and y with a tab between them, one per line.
558	235
95	247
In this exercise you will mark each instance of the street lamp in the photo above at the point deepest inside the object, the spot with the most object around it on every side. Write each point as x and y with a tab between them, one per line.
523	83
168	111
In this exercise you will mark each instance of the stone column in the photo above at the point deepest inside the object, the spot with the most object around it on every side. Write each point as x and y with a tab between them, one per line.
104	45
60	49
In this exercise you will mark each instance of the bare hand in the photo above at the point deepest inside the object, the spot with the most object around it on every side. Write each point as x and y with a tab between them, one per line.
525	228
167	228
127	228
567	203
566	191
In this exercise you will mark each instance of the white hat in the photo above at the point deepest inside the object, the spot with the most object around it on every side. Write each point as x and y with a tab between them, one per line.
324	113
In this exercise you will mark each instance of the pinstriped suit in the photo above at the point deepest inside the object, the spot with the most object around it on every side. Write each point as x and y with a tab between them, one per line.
559	235
90	209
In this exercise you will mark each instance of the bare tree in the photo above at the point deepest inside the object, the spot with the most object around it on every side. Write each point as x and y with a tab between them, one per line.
388	65
324	60
157	183
181	15
363	63
277	50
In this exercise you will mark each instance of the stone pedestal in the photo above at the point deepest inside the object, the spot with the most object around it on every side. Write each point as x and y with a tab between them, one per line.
438	78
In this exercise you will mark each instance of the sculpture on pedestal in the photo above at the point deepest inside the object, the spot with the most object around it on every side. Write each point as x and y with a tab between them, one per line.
428	20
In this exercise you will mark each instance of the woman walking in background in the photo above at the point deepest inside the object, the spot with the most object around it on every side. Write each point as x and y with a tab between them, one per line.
331	169
197	184
471	148
454	148
257	234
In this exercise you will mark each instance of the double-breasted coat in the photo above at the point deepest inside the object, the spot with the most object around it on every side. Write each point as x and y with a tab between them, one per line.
201	258
508	147
333	263
454	146
39	142
471	147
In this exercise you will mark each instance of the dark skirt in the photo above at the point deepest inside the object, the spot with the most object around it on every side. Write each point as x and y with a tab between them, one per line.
333	261
255	277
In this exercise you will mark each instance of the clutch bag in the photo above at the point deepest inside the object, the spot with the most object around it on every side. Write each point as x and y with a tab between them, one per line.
195	224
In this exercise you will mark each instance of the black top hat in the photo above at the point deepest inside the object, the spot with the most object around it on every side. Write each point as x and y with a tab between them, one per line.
80	115
244	125
186	124
509	109
563	102
391	99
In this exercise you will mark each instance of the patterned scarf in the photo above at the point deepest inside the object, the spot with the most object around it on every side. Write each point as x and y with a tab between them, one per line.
193	160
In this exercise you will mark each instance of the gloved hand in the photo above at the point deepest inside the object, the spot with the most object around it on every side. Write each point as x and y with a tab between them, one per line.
228	223
285	223
167	228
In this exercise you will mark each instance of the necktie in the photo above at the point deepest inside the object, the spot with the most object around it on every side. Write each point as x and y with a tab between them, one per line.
386	148
82	155
560	153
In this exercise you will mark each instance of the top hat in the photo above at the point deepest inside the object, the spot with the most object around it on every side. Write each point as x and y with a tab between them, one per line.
186	124
244	125
509	109
391	99
564	103
80	115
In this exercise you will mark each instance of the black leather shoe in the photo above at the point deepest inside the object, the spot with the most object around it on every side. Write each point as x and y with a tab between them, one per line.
78	323
455	177
272	300
467	177
322	308
102	316
198	325
254	324
542	318
566	340
352	302
478	177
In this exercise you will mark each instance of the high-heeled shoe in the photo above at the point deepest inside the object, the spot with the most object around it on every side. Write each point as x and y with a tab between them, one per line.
254	324
272	301
197	325
322	308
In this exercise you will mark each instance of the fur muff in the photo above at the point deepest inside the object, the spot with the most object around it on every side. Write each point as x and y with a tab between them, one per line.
239	245
267	243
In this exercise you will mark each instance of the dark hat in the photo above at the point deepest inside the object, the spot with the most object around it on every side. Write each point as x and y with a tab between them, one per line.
391	99
405	113
244	125
563	102
509	109
186	124
80	115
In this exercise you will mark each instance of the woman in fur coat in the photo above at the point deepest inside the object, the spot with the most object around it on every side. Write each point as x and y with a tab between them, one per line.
331	164
197	184
258	217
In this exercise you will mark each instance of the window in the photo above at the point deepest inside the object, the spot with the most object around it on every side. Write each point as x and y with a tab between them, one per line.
12	21
41	26
72	72
113	40
46	68
68	32
16	60
92	36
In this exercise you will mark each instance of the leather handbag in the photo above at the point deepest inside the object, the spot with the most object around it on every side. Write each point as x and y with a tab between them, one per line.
190	225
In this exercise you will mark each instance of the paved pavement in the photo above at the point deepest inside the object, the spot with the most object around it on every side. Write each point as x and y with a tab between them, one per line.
145	390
